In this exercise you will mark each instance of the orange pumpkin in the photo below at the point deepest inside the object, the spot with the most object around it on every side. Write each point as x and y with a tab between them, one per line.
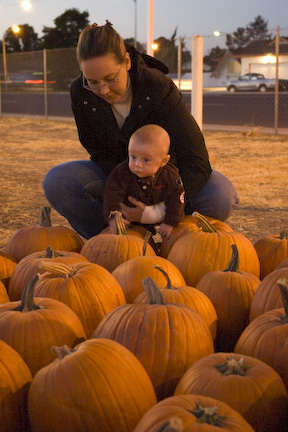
33	238
249	386
34	325
7	267
87	288
98	386
200	252
192	413
28	267
15	378
166	338
3	294
271	250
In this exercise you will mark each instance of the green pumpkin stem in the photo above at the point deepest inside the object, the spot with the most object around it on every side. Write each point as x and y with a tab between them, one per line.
233	265
165	274
208	415
283	286
120	227
62	351
153	292
51	253
27	301
46	217
284	234
204	223
174	424
233	367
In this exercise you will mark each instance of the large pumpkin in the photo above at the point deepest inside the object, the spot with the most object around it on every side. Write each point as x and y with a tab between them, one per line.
87	288
271	250
7	267
15	378
197	253
3	294
192	413
166	338
34	325
33	238
246	384
98	386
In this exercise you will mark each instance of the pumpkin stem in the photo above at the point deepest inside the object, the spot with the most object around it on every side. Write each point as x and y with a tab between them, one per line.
51	253
27	301
208	415
62	351
146	240
204	223
233	367
233	265
174	424
59	269
284	234
46	217
153	292
120	227
283	286
169	284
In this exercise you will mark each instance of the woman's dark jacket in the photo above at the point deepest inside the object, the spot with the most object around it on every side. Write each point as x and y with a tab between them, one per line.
156	100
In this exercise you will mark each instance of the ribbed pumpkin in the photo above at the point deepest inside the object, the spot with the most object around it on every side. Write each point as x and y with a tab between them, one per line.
130	274
34	325
187	296
166	338
15	378
7	267
186	225
87	288
33	238
246	384
192	413
3	294
271	250
265	338
111	250
231	293
197	253
268	295
28	267
98	386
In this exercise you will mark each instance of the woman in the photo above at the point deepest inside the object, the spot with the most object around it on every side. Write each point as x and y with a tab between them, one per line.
119	91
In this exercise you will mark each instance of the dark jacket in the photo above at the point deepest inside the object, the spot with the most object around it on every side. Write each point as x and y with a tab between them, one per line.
165	185
156	100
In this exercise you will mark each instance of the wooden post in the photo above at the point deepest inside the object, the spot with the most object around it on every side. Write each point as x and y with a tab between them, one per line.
197	80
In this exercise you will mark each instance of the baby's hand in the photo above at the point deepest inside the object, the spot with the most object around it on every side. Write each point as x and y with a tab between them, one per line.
165	230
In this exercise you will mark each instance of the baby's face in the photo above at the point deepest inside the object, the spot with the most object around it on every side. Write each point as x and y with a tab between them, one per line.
144	159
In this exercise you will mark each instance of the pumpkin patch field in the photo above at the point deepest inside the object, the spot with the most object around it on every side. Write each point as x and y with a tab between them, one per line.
118	334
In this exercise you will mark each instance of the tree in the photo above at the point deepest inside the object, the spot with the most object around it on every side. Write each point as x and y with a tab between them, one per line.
255	31
67	28
167	51
212	59
25	40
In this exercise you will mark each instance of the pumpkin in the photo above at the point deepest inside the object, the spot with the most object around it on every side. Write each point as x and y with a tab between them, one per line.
186	225
192	413
231	292
246	384
197	253
166	338
33	238
265	338
271	250
7	267
87	288
131	273
28	267
188	296
98	385
3	294
268	295
34	325
15	378
110	250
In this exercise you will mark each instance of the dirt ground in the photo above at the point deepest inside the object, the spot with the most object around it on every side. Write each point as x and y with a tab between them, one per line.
257	164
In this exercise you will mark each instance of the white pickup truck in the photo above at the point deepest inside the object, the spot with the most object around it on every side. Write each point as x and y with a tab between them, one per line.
255	82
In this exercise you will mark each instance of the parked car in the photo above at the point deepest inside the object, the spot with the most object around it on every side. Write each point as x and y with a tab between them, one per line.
255	82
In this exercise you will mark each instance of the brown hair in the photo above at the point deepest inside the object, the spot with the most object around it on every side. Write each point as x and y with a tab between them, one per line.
97	41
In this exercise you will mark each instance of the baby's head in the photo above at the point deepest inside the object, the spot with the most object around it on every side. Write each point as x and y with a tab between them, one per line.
148	150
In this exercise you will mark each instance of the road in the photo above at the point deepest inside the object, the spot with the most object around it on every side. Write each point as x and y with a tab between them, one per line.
219	108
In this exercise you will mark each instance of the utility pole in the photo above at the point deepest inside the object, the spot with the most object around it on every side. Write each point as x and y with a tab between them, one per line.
150	27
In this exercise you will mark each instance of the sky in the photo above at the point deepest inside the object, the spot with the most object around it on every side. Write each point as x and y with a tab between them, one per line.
188	16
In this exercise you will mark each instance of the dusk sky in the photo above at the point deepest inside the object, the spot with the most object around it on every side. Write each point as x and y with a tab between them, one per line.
190	17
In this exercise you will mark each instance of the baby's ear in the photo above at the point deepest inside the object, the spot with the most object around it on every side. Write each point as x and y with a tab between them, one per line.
165	160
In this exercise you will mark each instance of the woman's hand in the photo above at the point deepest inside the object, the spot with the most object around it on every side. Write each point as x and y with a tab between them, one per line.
133	214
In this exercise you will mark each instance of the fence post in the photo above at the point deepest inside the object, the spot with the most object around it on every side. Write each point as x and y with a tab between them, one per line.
197	80
276	100
179	63
45	82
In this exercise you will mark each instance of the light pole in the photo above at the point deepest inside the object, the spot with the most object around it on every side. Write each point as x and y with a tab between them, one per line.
150	26
135	23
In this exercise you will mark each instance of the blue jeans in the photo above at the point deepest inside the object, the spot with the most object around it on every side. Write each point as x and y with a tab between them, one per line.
75	189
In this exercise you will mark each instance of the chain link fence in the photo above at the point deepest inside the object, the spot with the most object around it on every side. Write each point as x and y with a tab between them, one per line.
37	83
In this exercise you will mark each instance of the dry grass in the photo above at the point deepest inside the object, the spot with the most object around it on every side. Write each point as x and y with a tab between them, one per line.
257	165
